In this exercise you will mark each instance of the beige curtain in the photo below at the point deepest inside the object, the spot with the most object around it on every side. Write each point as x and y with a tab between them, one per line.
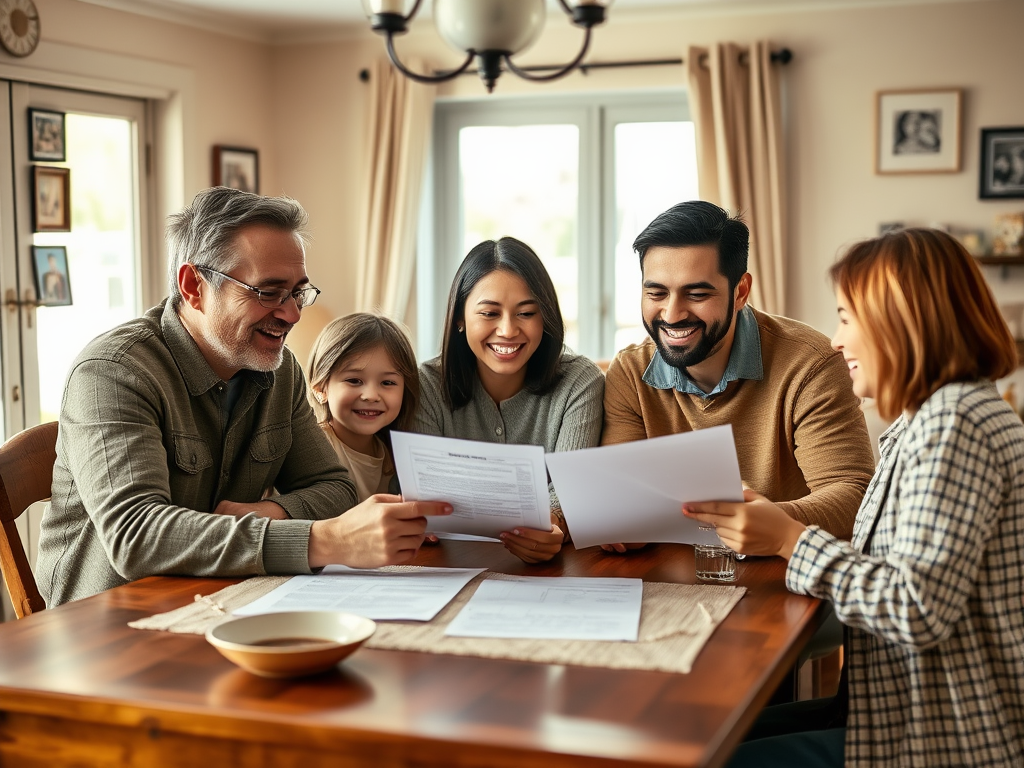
734	97
397	141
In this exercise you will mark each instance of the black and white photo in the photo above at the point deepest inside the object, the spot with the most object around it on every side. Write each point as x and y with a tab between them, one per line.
236	167
1002	163
47	139
918	131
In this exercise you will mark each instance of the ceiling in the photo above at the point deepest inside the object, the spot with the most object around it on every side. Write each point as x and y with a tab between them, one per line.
282	21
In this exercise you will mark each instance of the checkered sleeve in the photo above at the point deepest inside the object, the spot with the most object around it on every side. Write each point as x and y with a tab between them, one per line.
934	531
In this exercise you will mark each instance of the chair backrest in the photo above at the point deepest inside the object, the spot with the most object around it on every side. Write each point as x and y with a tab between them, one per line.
26	472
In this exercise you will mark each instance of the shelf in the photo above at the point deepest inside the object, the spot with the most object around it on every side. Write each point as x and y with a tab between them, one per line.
1001	261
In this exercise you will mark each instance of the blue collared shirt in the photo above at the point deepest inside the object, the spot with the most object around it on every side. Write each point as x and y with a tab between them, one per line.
744	362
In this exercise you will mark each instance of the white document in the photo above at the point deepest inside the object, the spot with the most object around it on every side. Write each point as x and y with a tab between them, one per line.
417	594
634	492
492	487
552	608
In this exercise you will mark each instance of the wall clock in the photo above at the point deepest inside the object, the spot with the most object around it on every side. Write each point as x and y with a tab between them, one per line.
19	26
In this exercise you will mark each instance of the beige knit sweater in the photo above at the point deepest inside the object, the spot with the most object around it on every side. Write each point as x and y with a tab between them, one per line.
800	434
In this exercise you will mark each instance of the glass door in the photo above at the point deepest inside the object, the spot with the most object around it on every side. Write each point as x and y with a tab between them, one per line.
72	240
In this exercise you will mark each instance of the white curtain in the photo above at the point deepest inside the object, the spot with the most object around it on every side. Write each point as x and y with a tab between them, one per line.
734	97
400	116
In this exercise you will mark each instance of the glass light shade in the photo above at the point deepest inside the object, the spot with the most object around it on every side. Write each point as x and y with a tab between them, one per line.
489	25
373	7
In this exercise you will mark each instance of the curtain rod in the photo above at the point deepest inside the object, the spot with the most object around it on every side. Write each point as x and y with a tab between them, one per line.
782	56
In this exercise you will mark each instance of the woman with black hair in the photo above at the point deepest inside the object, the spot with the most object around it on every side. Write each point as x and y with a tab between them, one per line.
504	374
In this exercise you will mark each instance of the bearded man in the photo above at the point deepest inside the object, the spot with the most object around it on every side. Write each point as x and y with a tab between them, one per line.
712	359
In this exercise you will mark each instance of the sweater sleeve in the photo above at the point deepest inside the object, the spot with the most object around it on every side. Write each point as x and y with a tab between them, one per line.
832	450
623	419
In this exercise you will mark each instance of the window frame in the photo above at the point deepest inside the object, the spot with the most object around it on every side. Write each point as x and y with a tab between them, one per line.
595	114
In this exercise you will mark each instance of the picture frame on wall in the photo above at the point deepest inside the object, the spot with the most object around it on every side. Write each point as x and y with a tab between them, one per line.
47	136
918	131
53	280
51	199
236	167
1002	163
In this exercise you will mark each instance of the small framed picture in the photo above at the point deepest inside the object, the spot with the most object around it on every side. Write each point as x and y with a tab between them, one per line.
46	136
918	131
53	281
236	167
51	199
1002	163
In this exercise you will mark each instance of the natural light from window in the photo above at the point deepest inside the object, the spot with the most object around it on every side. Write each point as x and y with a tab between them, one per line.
523	181
100	250
655	168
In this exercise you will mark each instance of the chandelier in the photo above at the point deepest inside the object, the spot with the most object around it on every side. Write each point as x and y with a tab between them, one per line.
490	32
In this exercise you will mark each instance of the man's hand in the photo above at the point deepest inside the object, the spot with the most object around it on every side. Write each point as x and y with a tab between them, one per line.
533	546
754	526
259	508
383	530
621	548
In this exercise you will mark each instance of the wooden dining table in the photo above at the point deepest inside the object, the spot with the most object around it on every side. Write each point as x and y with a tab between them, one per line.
78	686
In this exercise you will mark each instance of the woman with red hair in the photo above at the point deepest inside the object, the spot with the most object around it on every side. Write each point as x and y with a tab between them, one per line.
931	588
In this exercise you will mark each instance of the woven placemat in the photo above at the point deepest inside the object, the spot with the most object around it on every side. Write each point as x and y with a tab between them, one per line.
675	622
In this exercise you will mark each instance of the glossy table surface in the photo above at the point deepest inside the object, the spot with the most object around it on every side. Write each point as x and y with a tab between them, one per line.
78	686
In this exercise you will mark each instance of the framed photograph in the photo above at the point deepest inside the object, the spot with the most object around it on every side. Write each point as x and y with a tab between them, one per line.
918	131
51	199
236	167
53	281
46	136
1002	163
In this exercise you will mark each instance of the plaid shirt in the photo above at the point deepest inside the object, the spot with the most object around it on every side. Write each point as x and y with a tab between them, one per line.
936	606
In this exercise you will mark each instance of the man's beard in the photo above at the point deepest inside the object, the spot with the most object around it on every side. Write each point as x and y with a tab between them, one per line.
237	351
710	338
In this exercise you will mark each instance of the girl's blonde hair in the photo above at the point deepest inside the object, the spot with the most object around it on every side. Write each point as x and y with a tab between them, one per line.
925	309
357	334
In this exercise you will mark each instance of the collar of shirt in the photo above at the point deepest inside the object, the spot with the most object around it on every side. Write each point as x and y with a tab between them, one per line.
744	362
195	370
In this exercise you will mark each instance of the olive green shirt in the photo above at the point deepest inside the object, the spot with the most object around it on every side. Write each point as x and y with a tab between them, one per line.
146	449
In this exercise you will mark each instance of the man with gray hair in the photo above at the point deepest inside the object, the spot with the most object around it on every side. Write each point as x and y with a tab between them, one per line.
186	444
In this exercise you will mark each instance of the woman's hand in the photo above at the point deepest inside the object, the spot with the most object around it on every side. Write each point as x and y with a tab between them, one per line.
754	526
533	546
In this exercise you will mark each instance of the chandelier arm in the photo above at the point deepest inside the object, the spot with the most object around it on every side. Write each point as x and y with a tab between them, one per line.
414	10
565	7
439	77
554	75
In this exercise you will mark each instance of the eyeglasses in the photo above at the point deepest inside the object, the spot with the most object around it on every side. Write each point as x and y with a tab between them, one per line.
272	299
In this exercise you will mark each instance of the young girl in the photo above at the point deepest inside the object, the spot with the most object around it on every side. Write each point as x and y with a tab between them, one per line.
504	375
363	382
931	585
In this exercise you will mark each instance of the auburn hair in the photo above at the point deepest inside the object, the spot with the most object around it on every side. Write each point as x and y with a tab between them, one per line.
925	309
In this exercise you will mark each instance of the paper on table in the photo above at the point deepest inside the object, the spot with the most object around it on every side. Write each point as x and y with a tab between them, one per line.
493	487
633	492
416	594
552	608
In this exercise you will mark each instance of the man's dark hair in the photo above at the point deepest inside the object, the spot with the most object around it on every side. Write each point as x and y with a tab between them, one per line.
458	363
696	222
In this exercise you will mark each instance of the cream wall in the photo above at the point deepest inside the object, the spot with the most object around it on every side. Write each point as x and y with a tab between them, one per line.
842	57
303	105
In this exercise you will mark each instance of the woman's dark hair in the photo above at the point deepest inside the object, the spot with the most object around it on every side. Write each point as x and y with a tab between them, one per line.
458	363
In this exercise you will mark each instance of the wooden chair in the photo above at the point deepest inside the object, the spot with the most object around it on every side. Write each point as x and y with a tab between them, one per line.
26	472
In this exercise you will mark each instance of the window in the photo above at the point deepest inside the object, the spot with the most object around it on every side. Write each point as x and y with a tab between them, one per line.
576	178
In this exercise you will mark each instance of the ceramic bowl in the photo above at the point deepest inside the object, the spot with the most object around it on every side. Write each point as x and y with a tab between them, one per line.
290	644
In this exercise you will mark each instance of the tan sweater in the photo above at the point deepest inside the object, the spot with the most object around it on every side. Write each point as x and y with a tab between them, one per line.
800	434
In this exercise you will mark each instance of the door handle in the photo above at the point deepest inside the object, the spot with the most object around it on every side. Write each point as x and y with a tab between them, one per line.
12	303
